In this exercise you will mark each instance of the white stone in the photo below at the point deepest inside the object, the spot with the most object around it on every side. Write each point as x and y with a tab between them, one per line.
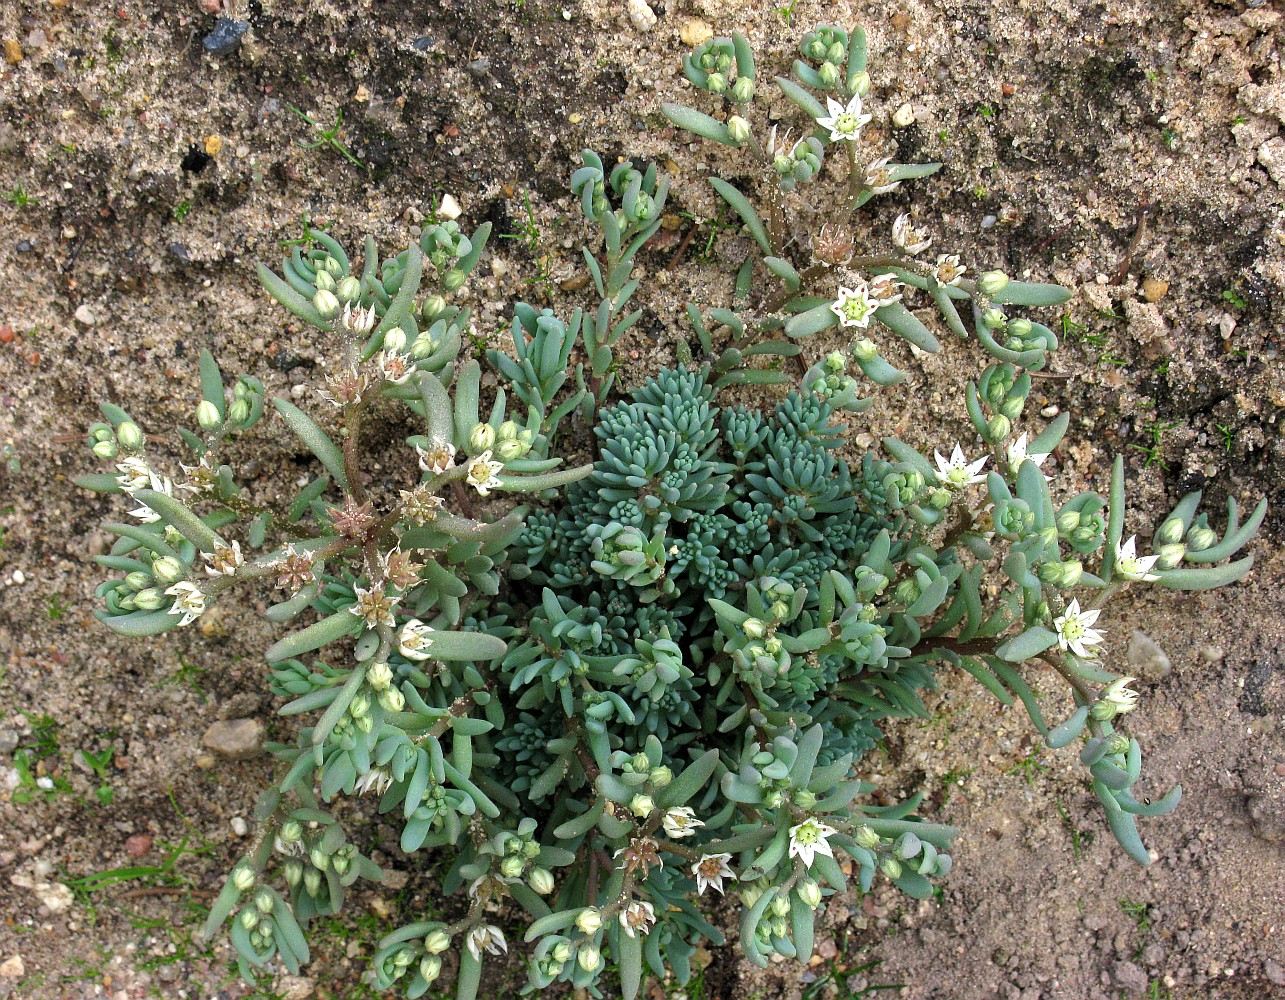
13	968
642	16
1271	155
449	209
903	116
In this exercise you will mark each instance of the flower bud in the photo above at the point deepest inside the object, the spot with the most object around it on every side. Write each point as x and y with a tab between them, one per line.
454	280
589	920
138	580
891	867
991	283
105	449
379	676
835	53
810	893
743	90
239	411
392	700
348	290
436	941
395	340
430	967
588	958
324	281
249	918
642	806
1021	327
167	570
512	866
293	872
312	882
1012	407
867	837
433	307
940	498
998	428
1200	537
779	907
829	74
1103	711
207	415
340	865
640	763
481	438
1068	521
320	860
326	304
716	83
263	901
805	799
561	952
129	436
753	628
738	128
864	350
331	266
660	776
1117	743
244	879
1170	555
150	599
994	318
541	881
861	83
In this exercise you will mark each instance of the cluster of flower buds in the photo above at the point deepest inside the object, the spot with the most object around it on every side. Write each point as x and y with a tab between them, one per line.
444	245
827	52
797	163
722	66
108	442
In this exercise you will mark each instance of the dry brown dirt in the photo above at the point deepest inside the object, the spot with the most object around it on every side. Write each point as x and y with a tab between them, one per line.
1112	145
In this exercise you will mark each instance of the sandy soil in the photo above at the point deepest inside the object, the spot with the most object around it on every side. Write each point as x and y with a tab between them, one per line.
1132	149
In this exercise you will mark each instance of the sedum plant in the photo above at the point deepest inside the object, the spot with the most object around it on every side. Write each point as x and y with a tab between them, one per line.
653	682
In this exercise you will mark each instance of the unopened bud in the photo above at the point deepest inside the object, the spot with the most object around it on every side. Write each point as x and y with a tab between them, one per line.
392	700
511	867
588	958
589	920
105	449
430	967
207	415
1170	555
312	882
331	266
433	306
379	676
244	879
994	318
754	628
779	907
324	281
743	90
481	438
891	867
1021	327
738	128
992	283
149	600
395	340
867	837
436	941
454	280
348	290
138	580
129	436
1200	537
239	411
167	570
660	776
263	901
716	83
829	74
998	428
642	806
326	304
249	918
810	893
541	880
861	83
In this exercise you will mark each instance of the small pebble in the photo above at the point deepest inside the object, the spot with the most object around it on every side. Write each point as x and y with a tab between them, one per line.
12	51
85	316
138	845
1154	289
642	16
6	334
1146	659
694	31
213	144
19	577
988	221
903	116
449	209
235	739
13	968
225	37
239	826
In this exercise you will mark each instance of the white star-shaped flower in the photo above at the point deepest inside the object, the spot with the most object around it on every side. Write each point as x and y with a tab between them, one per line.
906	236
681	822
957	471
710	871
360	321
134	474
224	560
1075	632
1120	695
809	839
949	269
488	938
483	474
437	457
844	123
189	601
1132	566
879	178
637	917
1016	455
415	639
158	484
854	306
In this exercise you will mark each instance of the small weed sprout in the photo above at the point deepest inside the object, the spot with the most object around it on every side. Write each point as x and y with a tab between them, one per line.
654	679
